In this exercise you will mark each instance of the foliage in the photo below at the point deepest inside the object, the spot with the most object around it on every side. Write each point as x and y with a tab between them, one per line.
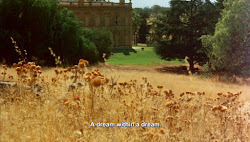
143	29
20	19
227	47
70	41
142	23
39	24
136	20
103	41
156	10
179	30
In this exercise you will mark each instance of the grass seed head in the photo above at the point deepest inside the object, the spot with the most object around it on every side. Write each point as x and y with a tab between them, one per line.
38	67
162	131
76	98
81	64
160	86
96	81
168	103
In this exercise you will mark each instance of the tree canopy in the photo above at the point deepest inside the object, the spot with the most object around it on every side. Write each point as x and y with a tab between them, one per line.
228	47
180	28
37	25
142	22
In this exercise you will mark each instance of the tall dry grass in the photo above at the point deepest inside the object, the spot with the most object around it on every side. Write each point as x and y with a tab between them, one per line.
60	105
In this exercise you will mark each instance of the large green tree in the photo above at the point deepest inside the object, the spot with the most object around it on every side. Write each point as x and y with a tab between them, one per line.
181	27
156	9
69	41
228	47
141	15
28	22
142	22
39	24
103	40
136	18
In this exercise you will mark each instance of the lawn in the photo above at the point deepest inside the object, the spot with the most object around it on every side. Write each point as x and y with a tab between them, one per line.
139	57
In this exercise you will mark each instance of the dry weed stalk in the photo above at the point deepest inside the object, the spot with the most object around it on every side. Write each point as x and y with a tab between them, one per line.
53	115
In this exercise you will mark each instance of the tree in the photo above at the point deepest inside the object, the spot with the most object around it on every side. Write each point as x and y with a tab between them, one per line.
219	5
28	22
136	21
156	10
182	26
69	41
141	16
39	24
155	34
228	48
142	22
103	41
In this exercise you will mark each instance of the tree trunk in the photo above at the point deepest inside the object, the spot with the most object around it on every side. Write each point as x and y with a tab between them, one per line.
191	66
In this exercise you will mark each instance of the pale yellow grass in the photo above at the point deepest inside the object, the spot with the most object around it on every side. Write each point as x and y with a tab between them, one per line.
35	116
181	83
178	83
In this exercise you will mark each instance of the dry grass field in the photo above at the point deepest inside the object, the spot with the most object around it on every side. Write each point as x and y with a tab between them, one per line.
61	105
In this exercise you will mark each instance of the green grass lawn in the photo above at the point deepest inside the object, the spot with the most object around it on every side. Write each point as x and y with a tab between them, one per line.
138	57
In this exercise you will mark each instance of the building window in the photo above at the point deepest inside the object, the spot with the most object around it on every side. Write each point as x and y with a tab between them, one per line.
86	21
106	20
97	22
116	20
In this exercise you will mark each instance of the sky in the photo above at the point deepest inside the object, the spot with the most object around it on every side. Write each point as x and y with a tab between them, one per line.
148	3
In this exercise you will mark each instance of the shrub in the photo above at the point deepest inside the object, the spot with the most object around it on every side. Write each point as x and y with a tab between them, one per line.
70	42
226	50
103	40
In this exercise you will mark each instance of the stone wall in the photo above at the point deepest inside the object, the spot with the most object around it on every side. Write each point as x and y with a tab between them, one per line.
117	17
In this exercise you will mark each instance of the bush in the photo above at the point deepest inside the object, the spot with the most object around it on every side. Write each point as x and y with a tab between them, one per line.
103	40
89	51
70	42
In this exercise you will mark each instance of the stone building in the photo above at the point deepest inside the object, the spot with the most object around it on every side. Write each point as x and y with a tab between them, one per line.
117	17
